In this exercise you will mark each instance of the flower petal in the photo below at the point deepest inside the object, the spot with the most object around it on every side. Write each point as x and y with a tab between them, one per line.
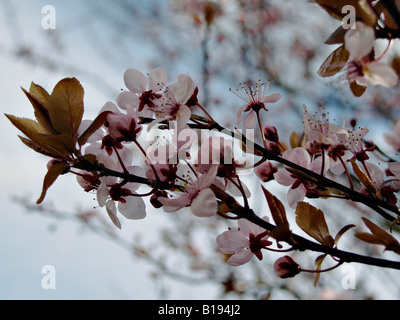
157	79
183	117
102	194
248	227
135	81
207	179
174	204
205	204
359	41
240	257
112	213
133	209
299	156
249	120
271	98
239	113
296	195
378	74
284	178
127	99
231	241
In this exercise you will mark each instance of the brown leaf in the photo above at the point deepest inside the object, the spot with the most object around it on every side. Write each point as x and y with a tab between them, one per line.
33	130
363	177
342	232
356	89
294	140
385	15
39	101
312	221
57	146
396	65
379	236
60	143
52	174
94	126
334	62
318	266
40	94
36	147
368	15
66	106
282	231
337	36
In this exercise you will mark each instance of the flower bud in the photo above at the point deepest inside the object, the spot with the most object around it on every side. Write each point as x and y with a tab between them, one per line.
265	171
273	147
270	133
154	199
286	267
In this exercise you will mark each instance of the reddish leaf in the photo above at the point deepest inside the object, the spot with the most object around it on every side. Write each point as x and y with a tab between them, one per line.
379	236
334	62
312	221
356	89
52	174
278	212
94	126
318	266
66	106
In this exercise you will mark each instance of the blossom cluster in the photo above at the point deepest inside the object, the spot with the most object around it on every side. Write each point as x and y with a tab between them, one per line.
177	171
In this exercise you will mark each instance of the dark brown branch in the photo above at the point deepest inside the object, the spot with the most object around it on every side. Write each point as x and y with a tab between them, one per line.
322	182
302	244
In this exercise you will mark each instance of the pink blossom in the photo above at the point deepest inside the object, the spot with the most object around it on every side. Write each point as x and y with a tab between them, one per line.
143	91
355	144
118	196
265	171
124	127
394	168
255	98
361	69
243	243
394	139
172	106
174	147
300	187
286	267
377	177
216	150
321	131
198	196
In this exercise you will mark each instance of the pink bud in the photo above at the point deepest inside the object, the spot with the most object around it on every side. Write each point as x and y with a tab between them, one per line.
286	267
270	133
265	171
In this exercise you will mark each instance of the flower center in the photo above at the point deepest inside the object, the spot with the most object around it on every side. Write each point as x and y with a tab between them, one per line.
354	71
147	98
117	193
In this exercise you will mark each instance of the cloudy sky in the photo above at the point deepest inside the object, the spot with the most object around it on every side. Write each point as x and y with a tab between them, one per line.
86	265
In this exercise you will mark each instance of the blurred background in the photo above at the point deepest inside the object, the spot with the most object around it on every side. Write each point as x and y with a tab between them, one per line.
167	256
